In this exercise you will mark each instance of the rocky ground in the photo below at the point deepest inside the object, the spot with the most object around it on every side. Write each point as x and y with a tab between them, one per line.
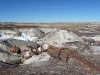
52	67
10	64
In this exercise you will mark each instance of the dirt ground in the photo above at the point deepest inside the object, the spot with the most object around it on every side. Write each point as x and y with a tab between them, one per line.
53	66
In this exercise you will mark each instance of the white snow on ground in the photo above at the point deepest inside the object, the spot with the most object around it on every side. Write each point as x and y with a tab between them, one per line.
2	36
37	58
22	37
26	38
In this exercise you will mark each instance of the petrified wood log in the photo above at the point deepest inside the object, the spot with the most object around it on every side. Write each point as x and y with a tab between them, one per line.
54	51
64	54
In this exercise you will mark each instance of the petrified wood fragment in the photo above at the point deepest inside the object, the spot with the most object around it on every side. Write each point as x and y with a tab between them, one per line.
54	51
64	54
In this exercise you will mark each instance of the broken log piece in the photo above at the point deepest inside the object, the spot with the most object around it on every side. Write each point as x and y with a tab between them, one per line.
64	54
86	62
54	52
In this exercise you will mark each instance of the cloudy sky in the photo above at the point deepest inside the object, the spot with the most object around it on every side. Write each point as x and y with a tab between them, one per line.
49	10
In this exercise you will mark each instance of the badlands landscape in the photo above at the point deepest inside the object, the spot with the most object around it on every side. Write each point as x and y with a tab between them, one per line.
72	48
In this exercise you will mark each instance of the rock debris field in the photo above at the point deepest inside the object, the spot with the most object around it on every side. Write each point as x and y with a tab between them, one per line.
68	54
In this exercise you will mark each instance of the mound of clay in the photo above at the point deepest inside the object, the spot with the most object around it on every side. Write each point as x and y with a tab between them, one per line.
58	36
47	30
33	32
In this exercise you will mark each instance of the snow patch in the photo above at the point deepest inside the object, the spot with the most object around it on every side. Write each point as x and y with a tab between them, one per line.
26	38
22	37
2	36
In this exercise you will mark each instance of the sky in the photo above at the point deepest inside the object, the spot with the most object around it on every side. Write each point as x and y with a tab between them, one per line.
49	10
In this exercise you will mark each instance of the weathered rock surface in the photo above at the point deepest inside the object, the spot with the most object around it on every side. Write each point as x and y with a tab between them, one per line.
5	46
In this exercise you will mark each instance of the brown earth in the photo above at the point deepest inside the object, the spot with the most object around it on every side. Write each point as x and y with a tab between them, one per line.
52	67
